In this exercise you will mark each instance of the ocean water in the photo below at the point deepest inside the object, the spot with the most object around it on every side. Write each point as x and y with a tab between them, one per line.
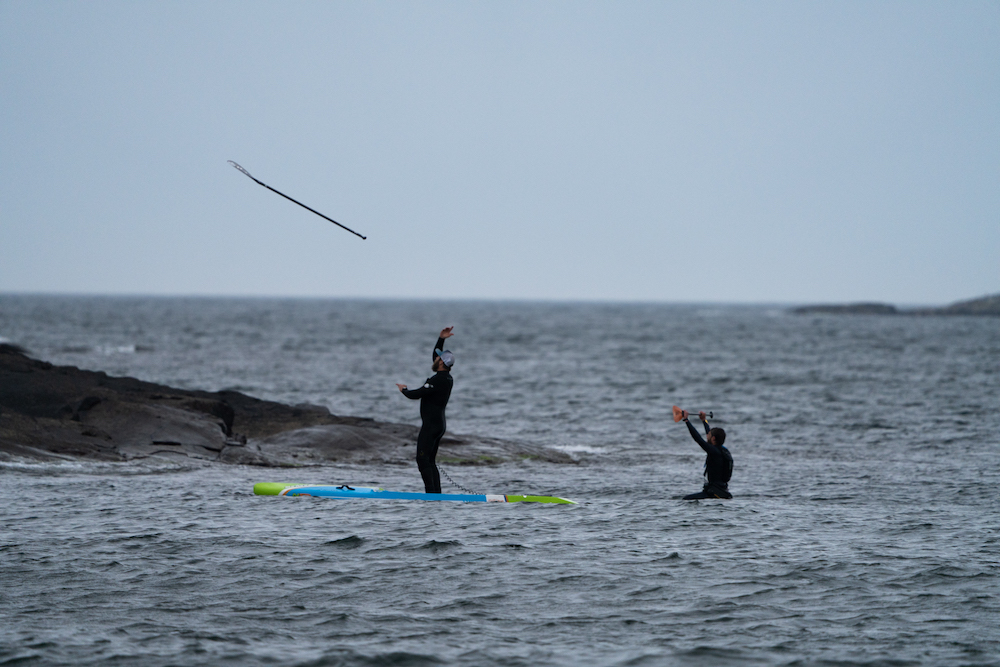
865	528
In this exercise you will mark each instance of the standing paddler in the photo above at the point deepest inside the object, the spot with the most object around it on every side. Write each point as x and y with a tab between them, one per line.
433	400
718	463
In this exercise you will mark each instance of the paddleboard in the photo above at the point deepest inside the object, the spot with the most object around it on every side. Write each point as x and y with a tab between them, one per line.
371	492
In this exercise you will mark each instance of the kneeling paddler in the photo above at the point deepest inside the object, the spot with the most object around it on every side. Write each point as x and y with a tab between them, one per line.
718	463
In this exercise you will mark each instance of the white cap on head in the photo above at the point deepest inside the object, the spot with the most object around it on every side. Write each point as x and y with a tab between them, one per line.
446	356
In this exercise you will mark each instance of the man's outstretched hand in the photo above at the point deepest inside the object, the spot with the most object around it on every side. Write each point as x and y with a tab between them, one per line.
446	332
685	414
702	415
402	387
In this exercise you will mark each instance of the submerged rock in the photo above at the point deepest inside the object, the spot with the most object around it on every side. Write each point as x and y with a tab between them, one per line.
63	412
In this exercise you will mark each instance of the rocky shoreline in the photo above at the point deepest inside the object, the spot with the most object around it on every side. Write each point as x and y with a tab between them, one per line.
985	306
52	412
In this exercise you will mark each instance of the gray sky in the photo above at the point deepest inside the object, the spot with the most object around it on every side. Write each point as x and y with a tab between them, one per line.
753	151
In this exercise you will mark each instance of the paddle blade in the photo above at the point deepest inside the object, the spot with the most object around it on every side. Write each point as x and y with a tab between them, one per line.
678	414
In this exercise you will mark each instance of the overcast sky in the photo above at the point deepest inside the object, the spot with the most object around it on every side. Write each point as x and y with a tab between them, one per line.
654	151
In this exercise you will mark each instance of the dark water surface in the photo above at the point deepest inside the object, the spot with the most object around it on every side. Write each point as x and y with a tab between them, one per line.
864	530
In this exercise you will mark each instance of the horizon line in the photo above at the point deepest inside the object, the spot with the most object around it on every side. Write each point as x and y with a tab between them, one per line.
526	300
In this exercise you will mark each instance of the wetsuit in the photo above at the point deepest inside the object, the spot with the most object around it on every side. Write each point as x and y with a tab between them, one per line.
433	399
718	467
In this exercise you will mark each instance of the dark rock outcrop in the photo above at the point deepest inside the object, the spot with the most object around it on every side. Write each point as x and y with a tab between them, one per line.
63	412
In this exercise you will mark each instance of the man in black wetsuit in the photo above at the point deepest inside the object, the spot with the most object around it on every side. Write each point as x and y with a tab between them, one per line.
718	464
433	399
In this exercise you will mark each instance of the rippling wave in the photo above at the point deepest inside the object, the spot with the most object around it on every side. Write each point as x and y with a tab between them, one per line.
863	529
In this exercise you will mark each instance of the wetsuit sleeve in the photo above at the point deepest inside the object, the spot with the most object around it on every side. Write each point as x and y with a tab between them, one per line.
430	387
424	390
707	427
437	346
697	436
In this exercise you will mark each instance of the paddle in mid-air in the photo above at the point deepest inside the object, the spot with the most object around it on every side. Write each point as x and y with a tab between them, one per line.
248	174
718	462
433	396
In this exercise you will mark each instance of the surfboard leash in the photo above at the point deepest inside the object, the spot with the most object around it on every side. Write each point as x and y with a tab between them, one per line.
445	473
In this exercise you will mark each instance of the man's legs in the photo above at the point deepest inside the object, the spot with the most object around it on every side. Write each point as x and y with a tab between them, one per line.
427	447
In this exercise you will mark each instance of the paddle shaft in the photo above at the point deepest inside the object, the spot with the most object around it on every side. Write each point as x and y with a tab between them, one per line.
295	200
678	411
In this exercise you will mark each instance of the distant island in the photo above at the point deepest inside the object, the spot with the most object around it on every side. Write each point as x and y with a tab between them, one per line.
987	305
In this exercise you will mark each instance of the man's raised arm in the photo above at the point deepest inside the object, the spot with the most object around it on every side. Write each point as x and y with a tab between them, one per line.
445	333
694	432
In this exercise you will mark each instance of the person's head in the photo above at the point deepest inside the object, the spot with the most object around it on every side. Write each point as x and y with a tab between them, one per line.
443	361
717	436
